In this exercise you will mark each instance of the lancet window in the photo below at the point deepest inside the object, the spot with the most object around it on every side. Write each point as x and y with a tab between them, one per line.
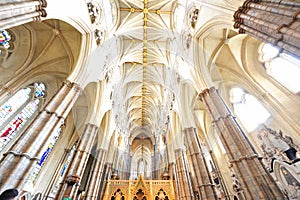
243	104
282	67
18	110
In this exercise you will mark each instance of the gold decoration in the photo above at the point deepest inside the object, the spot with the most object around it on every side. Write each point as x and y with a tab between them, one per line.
145	10
140	188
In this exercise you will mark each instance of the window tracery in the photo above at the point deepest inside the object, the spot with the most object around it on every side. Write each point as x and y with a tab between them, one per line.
282	67
140	195
6	44
5	39
161	195
118	195
243	104
17	110
13	104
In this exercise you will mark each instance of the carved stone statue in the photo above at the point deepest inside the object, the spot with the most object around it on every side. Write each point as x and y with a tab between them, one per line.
277	146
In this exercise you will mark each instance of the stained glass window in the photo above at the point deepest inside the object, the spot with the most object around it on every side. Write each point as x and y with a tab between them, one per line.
243	105
8	133
17	110
64	169
282	67
39	89
13	104
5	38
45	155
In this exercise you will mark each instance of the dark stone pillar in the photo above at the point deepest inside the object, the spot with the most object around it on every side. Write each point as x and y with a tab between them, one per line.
97	172
19	161
55	177
275	22
183	177
204	184
17	13
255	182
105	176
78	164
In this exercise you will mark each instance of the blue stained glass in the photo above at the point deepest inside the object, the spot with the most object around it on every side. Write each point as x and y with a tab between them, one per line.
12	118
65	167
45	155
39	89
13	104
5	37
16	123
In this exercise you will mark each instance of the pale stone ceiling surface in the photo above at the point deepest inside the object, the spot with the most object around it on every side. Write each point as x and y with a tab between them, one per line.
144	97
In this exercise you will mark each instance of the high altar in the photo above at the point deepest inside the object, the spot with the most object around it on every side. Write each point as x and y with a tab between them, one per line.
139	189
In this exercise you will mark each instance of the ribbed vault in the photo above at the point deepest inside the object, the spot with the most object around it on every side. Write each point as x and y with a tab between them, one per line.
142	99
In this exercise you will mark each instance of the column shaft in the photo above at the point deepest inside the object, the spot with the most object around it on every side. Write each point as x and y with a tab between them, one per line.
173	176
184	180
205	187
105	176
79	162
155	163
256	183
56	175
21	12
95	178
275	22
19	161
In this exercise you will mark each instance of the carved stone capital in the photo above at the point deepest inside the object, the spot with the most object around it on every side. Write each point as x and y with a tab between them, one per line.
72	179
206	92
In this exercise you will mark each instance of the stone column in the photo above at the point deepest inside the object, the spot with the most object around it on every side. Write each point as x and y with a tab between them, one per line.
173	177
275	22
255	182
204	184
105	176
216	170
78	164
54	179
172	171
124	172
19	161
14	13
96	174
154	163
183	177
128	164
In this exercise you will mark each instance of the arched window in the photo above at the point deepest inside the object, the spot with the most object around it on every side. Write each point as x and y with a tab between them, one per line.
5	39
282	67
47	150
248	109
18	110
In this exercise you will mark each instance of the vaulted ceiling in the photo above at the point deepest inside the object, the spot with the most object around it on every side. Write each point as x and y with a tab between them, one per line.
143	98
